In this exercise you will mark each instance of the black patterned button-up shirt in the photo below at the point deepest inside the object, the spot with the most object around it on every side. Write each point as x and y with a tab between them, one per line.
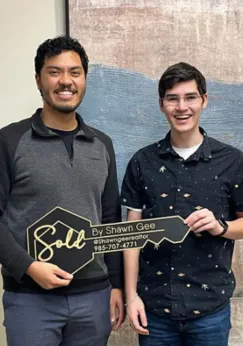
193	278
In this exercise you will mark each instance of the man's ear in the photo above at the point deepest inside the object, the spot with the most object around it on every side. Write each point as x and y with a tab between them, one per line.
38	81
161	104
205	100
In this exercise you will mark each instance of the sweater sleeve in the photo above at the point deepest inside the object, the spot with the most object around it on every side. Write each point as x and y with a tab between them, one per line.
12	256
111	212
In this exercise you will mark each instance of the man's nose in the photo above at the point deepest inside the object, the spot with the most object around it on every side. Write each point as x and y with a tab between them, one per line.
182	104
65	79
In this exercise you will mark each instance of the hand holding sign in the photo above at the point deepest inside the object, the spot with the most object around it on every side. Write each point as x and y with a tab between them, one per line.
48	276
71	242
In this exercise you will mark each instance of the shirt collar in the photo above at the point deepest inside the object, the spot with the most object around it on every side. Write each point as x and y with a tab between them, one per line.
40	128
203	152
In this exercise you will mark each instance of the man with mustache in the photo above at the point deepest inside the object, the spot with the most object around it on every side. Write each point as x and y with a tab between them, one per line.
55	159
178	294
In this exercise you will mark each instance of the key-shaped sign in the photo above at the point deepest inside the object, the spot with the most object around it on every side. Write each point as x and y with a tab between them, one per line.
71	242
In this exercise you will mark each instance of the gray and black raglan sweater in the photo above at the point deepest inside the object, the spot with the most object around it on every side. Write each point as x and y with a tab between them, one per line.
36	175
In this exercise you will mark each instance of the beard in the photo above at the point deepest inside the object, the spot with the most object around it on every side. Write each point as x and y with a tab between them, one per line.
60	107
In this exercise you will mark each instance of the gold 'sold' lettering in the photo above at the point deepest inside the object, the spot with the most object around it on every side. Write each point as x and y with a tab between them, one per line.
79	243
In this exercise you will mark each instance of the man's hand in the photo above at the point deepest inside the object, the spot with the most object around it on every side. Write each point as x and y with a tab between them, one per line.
48	275
117	311
137	317
203	220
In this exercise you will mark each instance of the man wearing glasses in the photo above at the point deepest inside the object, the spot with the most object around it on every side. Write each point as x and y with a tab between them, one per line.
179	294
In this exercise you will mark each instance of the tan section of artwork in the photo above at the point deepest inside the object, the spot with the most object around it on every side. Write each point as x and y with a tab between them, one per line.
147	36
238	269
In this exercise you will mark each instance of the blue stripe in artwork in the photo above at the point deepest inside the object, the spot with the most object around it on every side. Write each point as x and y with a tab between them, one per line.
124	104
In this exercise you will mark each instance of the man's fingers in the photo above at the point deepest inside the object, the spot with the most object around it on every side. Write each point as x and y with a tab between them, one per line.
139	329
143	318
207	227
113	313
48	275
121	316
120	320
134	321
60	282
137	316
201	223
62	274
195	216
117	322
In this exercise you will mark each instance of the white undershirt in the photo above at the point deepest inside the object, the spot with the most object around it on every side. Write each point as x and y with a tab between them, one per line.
185	153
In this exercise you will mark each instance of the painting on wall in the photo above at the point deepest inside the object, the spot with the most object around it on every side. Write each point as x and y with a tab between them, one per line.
130	43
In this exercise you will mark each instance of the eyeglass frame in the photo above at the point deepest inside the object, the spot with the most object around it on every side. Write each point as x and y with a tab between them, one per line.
177	101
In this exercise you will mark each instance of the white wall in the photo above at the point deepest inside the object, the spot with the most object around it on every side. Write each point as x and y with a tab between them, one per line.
23	26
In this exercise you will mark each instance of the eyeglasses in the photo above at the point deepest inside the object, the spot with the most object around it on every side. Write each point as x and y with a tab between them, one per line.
175	100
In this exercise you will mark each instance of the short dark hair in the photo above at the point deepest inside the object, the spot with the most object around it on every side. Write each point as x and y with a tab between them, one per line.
181	72
56	46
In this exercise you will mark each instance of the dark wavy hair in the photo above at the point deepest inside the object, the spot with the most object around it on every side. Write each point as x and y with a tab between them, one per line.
181	72
56	46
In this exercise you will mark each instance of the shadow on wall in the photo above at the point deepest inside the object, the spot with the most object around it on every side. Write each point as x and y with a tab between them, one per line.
124	104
